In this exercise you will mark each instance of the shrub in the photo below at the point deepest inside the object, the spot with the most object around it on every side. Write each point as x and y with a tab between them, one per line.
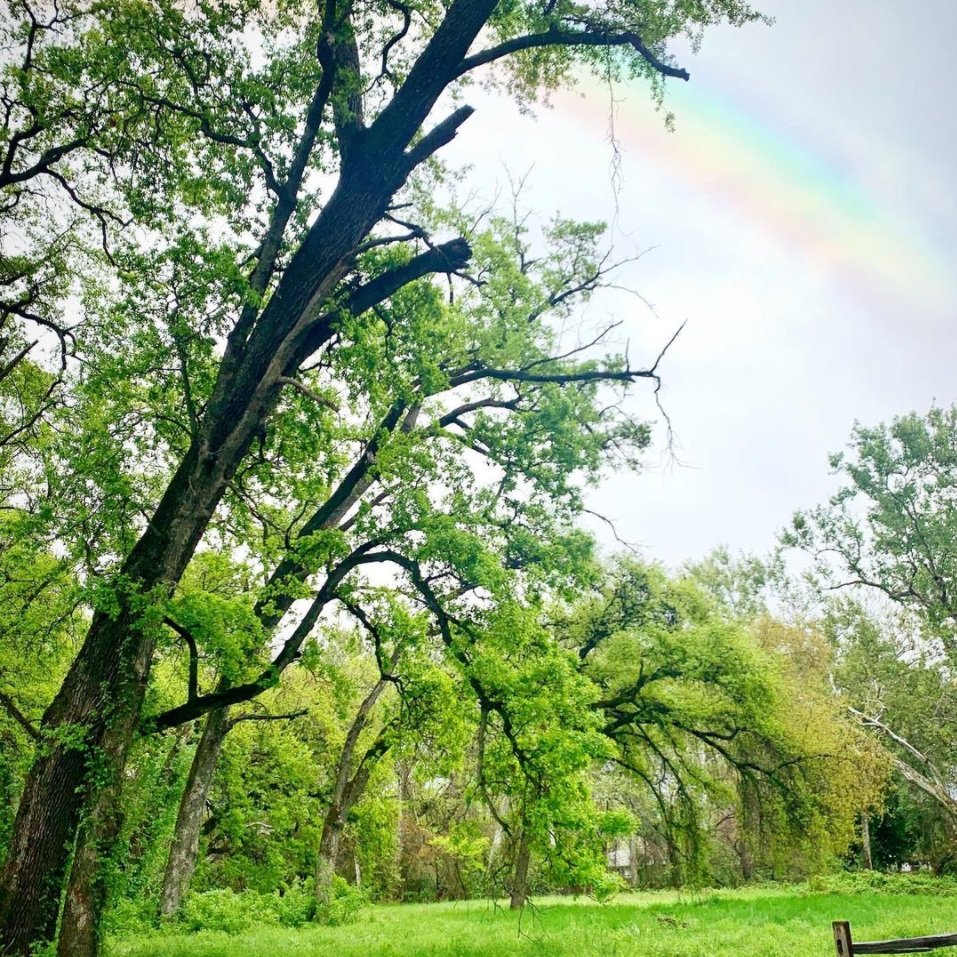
860	882
234	913
132	917
344	907
228	911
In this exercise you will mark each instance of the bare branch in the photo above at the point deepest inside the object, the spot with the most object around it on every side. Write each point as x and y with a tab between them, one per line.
308	393
256	716
21	719
187	636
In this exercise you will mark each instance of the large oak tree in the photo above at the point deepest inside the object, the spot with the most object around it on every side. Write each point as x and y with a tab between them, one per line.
259	149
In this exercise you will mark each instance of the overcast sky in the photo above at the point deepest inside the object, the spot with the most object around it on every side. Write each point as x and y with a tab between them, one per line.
805	225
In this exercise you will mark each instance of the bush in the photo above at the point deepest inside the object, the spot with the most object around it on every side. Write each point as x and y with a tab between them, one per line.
296	905
228	911
880	882
132	917
347	901
234	913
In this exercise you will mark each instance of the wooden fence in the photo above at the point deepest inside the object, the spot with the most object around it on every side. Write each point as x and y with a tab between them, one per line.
846	947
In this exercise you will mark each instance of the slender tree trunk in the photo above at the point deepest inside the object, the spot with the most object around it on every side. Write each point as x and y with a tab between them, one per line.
88	886
86	894
866	841
400	843
493	847
328	856
523	857
184	850
745	856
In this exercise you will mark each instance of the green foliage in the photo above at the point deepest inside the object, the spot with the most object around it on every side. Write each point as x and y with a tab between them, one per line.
887	538
892	525
438	442
233	913
39	616
266	818
725	726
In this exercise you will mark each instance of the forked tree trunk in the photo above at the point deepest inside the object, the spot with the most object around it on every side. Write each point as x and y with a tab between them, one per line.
523	857
184	850
348	787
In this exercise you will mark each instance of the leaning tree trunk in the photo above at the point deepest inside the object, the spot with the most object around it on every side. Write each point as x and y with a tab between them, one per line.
184	850
91	721
523	857
87	889
89	726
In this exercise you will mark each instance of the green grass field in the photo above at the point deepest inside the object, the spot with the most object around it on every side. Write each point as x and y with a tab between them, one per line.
749	923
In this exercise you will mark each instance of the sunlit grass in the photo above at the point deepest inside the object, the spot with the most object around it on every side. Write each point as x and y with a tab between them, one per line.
756	922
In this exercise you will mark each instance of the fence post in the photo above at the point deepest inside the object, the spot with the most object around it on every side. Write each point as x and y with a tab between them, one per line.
842	938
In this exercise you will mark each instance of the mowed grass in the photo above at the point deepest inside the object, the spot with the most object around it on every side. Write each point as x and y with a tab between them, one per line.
747	923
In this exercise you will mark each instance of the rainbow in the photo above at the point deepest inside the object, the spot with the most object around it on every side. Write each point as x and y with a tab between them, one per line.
804	198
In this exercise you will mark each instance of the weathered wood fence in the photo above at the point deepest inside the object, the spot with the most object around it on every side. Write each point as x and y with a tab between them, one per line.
846	947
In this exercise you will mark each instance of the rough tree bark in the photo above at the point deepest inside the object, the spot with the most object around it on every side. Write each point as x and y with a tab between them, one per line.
328	855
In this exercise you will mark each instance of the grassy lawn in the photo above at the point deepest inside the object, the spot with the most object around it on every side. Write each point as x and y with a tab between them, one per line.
748	923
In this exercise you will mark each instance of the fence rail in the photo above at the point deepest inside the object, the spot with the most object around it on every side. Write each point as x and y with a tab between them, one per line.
846	947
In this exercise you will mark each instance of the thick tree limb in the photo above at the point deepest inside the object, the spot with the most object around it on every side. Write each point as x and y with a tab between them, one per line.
291	569
525	375
287	654
439	136
555	37
448	257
